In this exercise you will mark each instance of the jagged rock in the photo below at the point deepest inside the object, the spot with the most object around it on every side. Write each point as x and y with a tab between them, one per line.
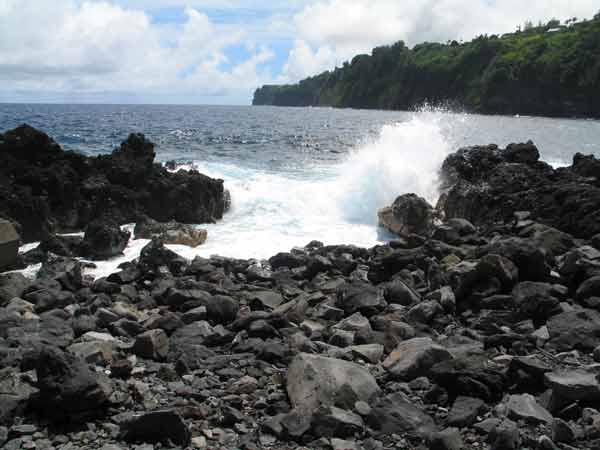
525	407
425	311
589	288
330	421
81	189
396	414
575	329
413	358
465	410
152	344
314	380
12	285
537	301
156	426
104	239
398	292
360	297
173	233
68	388
505	436
154	255
472	375
409	214
447	439
574	385
562	431
14	395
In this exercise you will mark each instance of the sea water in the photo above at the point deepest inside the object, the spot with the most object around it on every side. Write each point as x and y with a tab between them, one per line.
299	174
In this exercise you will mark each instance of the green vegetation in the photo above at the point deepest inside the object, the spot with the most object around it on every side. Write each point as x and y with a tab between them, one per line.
549	69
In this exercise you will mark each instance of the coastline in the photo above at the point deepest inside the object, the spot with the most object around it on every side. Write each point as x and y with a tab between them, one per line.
478	324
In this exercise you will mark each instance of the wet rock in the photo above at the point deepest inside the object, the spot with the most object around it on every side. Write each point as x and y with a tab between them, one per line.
409	214
156	426
589	288
414	357
173	233
154	255
316	380
104	239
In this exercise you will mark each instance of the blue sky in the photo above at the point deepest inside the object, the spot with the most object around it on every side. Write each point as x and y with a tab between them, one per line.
219	51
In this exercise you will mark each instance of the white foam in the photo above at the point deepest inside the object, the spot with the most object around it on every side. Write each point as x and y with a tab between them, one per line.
274	212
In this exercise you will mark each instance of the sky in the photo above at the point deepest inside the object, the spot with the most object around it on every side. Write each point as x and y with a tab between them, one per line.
220	51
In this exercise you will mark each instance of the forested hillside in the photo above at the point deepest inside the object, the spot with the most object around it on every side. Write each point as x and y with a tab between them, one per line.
549	69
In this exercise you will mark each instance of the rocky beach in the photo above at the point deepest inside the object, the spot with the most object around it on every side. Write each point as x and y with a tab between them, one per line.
477	327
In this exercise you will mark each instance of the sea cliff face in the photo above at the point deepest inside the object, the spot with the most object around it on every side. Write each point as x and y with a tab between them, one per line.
543	70
481	330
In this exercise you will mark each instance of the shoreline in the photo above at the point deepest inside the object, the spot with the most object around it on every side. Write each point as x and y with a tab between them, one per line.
477	326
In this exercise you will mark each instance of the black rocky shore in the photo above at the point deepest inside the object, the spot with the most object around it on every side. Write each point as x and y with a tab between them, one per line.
477	328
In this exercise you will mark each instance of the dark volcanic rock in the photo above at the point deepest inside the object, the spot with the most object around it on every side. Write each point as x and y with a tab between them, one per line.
409	214
104	239
156	426
68	388
46	189
485	184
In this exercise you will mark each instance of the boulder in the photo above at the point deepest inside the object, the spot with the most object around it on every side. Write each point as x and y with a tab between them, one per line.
578	329
525	407
314	380
123	186
465	410
68	388
589	288
152	344
104	239
156	426
360	297
574	385
396	414
447	439
154	255
14	395
173	233
505	436
414	357
398	292
409	214
9	245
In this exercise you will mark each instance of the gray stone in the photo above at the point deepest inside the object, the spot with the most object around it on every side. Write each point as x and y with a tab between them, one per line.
330	421
396	414
562	431
505	436
574	385
316	380
465	410
448	439
409	214
153	344
412	358
425	311
525	407
579	329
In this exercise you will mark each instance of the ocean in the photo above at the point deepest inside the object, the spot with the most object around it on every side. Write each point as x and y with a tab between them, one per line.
299	174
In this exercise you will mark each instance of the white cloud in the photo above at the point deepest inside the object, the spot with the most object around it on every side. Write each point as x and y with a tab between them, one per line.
93	47
342	28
